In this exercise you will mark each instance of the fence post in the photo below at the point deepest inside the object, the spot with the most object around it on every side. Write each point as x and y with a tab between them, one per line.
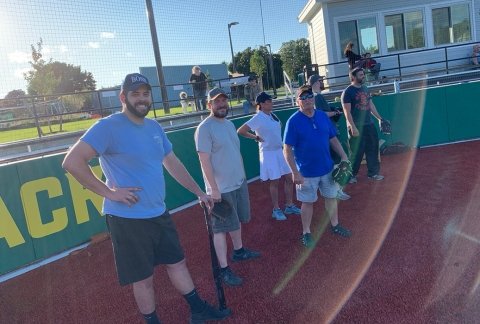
446	59
35	115
399	67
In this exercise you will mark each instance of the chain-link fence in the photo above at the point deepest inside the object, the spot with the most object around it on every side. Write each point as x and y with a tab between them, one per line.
63	62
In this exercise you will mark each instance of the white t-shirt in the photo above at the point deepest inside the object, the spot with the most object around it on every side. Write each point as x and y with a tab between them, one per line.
268	129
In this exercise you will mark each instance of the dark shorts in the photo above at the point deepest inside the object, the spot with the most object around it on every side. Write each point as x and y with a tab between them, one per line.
238	211
141	244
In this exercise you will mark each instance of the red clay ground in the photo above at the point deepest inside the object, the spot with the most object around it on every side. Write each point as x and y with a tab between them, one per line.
414	257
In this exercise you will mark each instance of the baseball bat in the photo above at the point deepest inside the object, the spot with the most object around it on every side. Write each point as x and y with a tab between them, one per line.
215	265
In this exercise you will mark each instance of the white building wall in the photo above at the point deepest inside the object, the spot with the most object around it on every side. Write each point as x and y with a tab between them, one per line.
324	35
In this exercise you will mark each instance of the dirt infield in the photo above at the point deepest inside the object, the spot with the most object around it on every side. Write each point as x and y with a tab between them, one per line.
414	257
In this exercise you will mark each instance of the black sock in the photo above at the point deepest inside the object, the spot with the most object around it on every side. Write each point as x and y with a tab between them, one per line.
196	303
151	318
239	251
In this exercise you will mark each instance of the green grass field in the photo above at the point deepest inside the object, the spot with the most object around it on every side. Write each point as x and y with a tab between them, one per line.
13	135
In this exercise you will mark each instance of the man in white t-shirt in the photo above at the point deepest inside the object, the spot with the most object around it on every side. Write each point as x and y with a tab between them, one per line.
268	134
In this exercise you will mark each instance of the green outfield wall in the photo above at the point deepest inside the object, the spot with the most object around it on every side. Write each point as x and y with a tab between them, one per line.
44	211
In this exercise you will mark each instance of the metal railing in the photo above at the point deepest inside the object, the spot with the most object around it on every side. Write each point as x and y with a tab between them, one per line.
405	65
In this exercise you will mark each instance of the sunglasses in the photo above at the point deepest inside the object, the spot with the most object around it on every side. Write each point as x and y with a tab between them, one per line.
307	96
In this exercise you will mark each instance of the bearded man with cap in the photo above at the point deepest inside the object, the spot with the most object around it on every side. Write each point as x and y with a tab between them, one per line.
309	134
218	148
267	130
316	82
132	150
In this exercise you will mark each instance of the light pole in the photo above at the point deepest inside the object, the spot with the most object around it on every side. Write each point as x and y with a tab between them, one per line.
234	68
271	70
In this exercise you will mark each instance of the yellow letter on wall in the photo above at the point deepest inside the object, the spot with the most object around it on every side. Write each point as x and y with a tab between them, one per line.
28	192
80	196
8	228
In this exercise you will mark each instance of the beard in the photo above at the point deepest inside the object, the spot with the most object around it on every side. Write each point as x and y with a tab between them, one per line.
132	108
221	114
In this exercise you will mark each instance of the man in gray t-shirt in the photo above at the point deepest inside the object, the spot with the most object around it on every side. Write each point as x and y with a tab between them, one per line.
218	149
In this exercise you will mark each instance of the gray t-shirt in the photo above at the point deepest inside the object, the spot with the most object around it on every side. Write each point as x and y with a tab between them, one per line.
218	137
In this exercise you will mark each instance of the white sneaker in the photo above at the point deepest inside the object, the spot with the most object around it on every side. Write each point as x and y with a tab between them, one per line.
342	195
377	177
352	180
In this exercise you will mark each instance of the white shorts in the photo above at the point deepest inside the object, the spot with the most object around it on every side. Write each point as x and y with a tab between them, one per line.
307	192
273	165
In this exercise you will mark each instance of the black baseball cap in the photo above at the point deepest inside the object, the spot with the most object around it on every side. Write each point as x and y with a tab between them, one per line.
262	97
134	81
314	78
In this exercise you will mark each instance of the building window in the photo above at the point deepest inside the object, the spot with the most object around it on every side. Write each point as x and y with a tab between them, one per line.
404	31
451	24
361	32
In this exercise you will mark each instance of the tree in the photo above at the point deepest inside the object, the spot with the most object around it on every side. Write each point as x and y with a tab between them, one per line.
47	78
295	54
242	61
15	94
257	64
13	98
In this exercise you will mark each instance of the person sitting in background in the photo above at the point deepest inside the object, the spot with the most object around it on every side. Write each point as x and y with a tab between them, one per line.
476	55
372	66
354	59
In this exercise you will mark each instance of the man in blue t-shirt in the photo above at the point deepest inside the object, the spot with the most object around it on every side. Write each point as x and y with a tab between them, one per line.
309	134
132	150
363	137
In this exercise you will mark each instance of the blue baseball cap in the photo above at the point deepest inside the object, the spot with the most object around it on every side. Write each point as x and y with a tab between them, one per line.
134	81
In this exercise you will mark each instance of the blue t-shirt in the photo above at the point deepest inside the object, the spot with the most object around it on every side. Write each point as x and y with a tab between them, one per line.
359	100
131	155
310	140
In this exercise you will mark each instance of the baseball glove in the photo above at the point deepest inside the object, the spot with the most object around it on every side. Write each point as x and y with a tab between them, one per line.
342	173
385	127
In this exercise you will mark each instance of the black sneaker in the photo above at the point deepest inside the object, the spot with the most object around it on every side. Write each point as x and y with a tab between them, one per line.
339	230
230	278
209	313
245	255
307	240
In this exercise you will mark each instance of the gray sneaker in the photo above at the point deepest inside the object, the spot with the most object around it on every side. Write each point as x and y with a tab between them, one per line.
377	177
230	278
342	195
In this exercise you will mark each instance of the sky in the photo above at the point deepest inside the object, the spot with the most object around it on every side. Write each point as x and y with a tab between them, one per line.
112	38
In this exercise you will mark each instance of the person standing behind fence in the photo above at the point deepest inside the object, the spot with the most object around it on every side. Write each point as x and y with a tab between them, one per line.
359	108
251	90
198	79
354	60
268	134
132	150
